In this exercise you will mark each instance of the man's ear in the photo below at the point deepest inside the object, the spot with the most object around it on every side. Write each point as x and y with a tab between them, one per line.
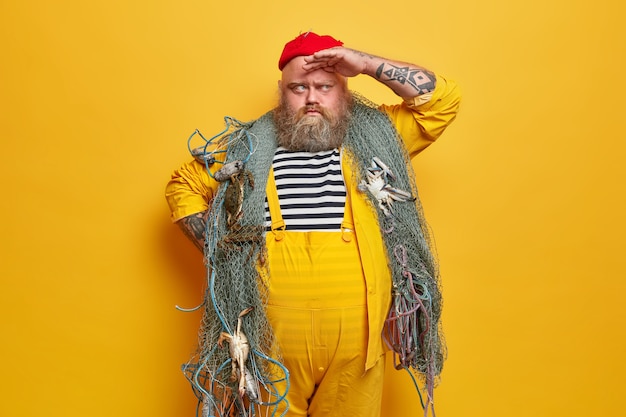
280	84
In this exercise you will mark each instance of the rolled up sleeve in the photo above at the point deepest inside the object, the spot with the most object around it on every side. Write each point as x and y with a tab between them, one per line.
421	120
189	191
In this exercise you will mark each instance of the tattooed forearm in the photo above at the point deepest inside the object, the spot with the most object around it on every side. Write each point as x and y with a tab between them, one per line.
364	54
419	80
194	227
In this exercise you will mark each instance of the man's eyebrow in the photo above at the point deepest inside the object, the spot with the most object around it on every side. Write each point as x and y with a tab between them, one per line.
319	82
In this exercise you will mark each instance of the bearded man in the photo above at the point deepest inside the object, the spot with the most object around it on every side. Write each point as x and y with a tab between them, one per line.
336	236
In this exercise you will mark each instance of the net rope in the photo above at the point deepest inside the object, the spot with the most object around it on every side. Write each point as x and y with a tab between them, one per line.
237	275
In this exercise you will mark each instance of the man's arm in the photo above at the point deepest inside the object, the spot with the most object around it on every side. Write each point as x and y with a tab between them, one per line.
194	227
425	113
406	80
188	194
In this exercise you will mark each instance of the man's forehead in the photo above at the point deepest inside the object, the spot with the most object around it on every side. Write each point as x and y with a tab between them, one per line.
294	69
327	78
294	73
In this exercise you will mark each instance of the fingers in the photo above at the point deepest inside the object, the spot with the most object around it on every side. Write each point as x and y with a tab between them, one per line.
322	59
338	59
328	65
326	54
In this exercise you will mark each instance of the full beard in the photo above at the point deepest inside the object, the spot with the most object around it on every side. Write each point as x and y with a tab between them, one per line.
297	131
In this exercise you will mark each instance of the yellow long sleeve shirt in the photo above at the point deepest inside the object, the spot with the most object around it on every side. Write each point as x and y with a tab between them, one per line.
419	121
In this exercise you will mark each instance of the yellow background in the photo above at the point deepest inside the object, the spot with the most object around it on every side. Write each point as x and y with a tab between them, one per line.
525	192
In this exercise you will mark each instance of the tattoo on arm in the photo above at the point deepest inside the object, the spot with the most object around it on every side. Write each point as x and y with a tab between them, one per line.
364	55
194	227
421	80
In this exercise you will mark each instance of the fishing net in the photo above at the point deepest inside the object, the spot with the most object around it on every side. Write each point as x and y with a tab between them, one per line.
240	158
234	254
413	328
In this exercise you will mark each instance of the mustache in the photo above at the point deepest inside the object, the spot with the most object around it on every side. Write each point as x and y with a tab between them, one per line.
302	111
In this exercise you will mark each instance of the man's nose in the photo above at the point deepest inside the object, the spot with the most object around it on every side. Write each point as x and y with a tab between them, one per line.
312	96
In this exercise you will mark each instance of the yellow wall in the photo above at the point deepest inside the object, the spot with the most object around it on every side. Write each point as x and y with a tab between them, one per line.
525	192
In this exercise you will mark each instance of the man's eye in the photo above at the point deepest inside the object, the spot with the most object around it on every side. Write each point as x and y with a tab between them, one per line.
326	87
298	88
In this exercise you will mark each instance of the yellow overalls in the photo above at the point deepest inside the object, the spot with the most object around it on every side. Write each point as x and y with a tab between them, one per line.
318	310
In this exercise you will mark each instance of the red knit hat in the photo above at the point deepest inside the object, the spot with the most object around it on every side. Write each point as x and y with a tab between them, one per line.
306	44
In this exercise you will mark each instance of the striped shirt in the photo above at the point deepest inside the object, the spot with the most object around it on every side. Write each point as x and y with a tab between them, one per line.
310	188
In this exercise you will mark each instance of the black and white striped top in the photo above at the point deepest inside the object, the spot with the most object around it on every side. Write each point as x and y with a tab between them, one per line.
311	190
